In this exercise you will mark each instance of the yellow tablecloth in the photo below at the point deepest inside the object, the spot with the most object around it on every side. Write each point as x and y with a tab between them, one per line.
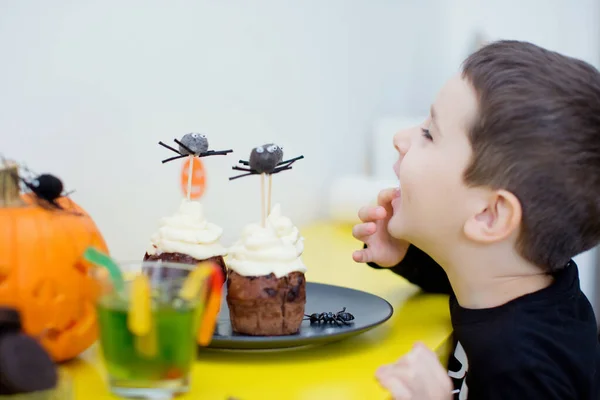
342	370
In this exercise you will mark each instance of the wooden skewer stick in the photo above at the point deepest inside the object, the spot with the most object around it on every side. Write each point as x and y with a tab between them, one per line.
262	199
190	174
269	195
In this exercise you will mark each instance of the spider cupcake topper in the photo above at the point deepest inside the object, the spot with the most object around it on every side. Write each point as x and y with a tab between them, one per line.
265	160
194	146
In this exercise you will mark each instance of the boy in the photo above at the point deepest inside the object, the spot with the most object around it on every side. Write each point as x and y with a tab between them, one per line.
499	189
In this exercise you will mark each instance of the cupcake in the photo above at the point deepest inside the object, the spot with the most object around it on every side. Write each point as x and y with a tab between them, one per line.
187	238
266	287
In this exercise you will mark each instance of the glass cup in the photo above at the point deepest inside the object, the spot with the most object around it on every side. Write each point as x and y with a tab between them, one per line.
149	327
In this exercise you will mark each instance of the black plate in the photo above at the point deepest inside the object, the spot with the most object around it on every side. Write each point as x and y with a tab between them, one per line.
368	310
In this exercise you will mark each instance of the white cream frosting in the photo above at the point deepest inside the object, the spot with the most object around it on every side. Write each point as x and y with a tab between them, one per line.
275	248
188	232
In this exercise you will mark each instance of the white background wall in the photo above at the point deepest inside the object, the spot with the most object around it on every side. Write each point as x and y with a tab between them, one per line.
87	88
90	87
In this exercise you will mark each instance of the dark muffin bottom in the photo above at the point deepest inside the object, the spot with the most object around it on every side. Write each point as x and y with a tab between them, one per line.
266	305
182	259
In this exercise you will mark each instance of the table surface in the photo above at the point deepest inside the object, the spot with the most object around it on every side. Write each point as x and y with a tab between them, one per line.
341	370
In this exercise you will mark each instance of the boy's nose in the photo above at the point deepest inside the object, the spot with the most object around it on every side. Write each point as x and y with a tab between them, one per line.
402	141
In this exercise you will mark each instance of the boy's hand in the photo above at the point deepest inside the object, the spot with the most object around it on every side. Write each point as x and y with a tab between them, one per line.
382	248
416	376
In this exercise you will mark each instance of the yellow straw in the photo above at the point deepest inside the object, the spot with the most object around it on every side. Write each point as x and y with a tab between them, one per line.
139	317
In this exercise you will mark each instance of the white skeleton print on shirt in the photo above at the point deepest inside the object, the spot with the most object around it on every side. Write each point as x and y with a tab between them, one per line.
459	376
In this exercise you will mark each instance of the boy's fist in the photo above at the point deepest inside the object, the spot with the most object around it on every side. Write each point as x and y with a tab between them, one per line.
416	376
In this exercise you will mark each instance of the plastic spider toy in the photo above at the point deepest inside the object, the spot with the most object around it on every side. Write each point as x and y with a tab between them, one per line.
47	188
339	318
266	159
192	144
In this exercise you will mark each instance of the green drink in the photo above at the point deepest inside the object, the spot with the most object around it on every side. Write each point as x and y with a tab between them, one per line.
173	356
157	362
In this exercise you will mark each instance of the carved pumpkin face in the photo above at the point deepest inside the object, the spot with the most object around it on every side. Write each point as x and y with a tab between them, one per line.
43	274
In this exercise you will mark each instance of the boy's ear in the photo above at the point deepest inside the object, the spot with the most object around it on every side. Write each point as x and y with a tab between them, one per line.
498	217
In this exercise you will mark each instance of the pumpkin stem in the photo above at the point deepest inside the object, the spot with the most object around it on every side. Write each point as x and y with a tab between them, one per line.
10	195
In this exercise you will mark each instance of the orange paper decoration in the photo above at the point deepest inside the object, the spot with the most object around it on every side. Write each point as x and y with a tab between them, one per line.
198	178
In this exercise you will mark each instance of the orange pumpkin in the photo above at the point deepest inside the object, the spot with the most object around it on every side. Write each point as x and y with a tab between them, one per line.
42	272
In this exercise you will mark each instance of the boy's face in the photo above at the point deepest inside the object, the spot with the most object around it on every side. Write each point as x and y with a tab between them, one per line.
434	202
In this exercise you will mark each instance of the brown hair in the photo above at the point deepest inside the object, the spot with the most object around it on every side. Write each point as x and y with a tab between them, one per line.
537	135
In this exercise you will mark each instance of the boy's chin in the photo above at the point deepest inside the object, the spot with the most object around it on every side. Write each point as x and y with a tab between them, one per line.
396	228
401	229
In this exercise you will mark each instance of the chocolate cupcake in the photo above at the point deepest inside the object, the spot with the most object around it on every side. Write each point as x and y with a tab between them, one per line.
266	287
266	305
185	259
187	238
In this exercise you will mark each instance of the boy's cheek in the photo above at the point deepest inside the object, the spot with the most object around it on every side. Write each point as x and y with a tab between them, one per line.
420	211
407	219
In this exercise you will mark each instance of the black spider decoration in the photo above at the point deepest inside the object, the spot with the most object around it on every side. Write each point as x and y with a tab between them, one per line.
193	144
266	159
340	318
47	188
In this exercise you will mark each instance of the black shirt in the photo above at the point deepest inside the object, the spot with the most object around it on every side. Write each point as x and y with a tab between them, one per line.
543	345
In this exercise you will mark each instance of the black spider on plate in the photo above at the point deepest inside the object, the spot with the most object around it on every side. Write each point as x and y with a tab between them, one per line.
339	318
193	144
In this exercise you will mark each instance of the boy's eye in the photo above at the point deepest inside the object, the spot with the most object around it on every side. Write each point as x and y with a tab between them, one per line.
426	134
